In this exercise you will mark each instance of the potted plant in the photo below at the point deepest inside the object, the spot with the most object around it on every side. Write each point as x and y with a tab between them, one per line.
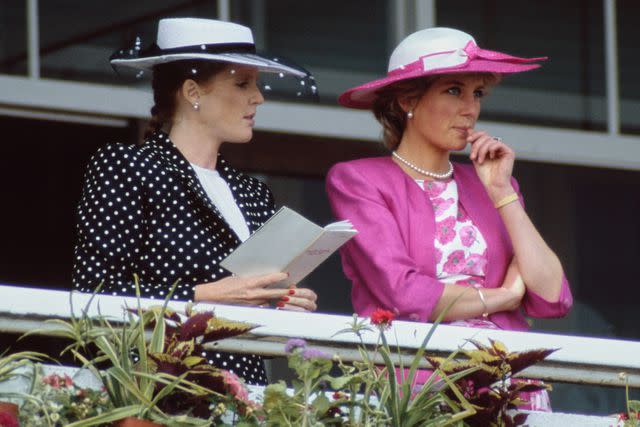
154	369
365	393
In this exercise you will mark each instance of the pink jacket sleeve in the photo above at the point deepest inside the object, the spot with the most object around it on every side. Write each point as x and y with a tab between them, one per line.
377	259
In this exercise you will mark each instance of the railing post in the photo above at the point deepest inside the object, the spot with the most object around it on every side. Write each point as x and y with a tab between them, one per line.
33	39
611	67
224	10
425	14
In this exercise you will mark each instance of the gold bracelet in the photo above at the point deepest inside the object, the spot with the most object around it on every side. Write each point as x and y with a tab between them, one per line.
506	200
478	288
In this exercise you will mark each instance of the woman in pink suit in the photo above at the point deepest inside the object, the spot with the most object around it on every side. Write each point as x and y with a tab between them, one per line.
429	229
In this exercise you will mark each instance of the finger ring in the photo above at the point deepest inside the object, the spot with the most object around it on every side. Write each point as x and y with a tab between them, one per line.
497	138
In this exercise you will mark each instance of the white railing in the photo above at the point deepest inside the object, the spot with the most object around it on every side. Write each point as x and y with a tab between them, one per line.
578	360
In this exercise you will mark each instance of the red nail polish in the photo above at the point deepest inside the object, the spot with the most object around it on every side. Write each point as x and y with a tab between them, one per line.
285	299
280	304
292	291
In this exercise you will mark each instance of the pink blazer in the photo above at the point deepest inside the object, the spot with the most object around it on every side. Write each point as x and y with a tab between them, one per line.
391	261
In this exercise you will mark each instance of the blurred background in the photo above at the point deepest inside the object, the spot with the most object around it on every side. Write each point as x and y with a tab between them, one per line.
575	125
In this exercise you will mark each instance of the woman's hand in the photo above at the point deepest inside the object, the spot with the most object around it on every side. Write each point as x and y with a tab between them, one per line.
298	299
493	160
255	291
514	286
242	290
516	290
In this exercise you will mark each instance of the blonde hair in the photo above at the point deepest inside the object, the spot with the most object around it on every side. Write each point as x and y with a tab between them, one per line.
393	118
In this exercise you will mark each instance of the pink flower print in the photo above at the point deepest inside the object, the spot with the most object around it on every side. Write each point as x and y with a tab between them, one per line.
455	262
463	216
468	235
445	231
470	281
434	188
441	205
475	265
438	256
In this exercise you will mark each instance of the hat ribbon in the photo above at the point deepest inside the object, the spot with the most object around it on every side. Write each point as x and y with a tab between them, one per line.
155	50
458	58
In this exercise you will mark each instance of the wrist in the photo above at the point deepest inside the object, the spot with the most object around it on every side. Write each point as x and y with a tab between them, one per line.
512	299
198	293
497	193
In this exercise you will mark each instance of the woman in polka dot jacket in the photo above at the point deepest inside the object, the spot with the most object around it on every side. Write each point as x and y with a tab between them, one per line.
173	208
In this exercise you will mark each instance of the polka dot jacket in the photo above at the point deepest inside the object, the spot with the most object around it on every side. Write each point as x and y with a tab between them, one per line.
144	211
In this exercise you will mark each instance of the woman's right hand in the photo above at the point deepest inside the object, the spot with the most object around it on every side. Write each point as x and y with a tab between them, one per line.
242	290
515	288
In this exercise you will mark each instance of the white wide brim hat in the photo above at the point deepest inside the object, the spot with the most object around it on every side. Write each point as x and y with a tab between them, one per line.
201	39
436	51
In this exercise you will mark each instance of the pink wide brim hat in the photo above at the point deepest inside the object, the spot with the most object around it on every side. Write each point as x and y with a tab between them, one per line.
436	51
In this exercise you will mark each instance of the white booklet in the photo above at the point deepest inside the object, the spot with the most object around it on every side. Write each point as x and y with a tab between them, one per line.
287	242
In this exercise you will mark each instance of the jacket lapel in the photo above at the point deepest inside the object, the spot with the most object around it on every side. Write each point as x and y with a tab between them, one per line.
178	165
240	188
412	203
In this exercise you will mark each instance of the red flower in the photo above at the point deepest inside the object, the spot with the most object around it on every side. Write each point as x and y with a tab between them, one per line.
340	395
382	318
8	420
623	416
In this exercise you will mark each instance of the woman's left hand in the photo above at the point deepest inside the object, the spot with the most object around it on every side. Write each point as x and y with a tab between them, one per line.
299	299
493	160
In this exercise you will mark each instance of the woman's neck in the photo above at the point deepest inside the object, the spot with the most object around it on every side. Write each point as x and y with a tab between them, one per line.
195	144
423	155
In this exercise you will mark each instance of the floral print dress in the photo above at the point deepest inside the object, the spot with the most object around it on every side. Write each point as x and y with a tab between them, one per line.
461	258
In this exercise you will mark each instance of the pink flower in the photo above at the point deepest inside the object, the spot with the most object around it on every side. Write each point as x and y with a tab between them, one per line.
441	205
475	265
68	382
235	386
445	230
470	281
455	262
57	381
468	235
434	188
8	420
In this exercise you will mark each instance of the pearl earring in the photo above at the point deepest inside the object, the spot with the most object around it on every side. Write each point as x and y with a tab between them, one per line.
410	114
196	106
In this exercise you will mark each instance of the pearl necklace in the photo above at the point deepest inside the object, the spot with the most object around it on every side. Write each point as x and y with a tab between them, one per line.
433	175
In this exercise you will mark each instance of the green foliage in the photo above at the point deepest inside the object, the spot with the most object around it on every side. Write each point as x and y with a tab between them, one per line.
12	364
489	384
630	418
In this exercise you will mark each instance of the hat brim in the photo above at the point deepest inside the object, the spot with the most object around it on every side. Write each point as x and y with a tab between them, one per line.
363	96
250	59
